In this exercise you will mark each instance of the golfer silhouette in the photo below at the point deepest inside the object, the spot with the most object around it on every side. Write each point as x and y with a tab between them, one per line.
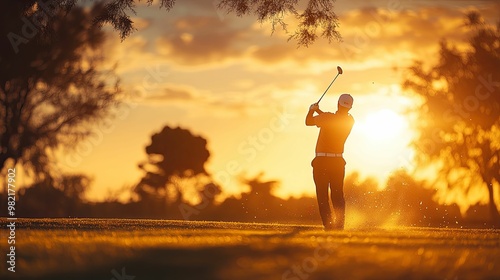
329	164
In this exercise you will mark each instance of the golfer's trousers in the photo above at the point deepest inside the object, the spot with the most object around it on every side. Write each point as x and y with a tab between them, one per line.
328	174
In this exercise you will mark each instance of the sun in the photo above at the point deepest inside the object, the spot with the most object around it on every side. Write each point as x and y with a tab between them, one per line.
384	124
380	143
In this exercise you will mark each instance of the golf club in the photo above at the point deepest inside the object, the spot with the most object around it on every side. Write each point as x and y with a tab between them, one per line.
338	73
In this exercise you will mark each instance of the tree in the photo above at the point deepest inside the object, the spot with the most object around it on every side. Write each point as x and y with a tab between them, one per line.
409	203
173	155
55	88
259	203
318	14
317	19
459	120
61	197
259	187
74	186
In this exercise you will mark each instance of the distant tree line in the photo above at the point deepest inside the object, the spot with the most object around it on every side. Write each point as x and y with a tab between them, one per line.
169	191
405	202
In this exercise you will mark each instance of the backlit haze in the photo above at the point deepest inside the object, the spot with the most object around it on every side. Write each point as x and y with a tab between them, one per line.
247	90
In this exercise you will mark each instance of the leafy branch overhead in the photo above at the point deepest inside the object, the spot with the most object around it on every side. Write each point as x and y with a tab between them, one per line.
316	20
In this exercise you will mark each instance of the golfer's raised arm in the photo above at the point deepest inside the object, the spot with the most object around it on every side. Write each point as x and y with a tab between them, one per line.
310	114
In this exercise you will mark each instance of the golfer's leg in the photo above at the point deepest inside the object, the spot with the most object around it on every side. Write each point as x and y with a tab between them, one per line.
321	181
337	195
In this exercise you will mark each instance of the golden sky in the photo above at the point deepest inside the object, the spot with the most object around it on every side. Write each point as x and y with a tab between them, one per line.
247	90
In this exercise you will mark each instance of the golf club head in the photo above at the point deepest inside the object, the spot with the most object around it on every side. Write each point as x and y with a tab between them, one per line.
339	70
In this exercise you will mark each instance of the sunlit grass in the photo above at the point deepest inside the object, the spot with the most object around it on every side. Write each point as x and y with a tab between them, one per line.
83	248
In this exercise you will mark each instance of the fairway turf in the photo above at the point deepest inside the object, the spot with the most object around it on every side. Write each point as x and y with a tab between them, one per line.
154	249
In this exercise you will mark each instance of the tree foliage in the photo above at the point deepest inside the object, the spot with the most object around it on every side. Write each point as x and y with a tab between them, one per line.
459	120
316	20
54	88
55	197
174	154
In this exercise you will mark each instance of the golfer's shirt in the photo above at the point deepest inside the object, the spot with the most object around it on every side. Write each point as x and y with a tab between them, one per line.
334	129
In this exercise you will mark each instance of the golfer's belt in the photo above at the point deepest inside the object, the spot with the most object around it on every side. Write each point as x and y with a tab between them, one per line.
328	155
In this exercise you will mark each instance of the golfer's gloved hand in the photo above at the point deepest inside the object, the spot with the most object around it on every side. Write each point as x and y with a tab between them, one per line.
314	107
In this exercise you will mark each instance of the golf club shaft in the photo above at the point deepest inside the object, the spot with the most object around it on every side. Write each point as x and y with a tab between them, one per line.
327	88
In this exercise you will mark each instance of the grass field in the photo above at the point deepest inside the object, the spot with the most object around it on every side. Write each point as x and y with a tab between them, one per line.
122	249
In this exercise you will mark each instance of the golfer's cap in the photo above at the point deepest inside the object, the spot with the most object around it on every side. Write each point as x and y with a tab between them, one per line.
346	100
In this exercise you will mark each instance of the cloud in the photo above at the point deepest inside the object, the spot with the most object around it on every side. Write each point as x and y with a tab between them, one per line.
376	37
198	40
273	53
239	65
190	3
171	93
130	54
141	23
195	36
